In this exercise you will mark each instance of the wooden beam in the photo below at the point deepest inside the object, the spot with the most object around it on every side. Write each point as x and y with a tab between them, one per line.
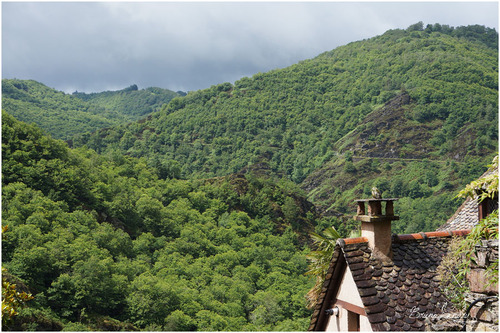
351	307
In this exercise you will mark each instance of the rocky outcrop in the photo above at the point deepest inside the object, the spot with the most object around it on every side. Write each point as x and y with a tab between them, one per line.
388	133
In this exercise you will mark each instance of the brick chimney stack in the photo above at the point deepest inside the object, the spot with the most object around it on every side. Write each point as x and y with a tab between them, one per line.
376	227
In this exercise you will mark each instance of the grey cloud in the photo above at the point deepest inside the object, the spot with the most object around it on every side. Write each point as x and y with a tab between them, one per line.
188	46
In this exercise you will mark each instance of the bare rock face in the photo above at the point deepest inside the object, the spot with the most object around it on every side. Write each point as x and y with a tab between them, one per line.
388	133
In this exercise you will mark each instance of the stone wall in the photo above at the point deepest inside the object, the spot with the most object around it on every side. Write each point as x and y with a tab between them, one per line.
486	253
483	316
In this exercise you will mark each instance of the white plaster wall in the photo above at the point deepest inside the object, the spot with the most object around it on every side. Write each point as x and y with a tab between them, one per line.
364	324
348	292
334	324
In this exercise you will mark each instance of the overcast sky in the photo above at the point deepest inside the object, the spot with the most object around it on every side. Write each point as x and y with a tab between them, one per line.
92	47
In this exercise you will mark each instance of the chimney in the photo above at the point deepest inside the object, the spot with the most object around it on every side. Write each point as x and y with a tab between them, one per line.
376	227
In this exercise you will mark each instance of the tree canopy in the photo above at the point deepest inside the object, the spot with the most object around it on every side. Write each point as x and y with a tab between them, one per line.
102	236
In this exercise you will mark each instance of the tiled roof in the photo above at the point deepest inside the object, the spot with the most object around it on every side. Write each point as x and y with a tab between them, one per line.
397	294
466	217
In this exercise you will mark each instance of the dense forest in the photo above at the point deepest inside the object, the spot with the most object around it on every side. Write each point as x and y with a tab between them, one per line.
92	235
63	115
172	211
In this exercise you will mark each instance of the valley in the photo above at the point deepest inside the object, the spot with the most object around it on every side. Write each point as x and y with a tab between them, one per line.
158	210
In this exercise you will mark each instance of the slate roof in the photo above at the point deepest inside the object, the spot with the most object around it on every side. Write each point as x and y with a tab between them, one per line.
397	294
466	217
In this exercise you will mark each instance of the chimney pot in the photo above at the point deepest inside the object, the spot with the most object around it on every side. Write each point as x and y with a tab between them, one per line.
375	226
389	208
361	208
374	208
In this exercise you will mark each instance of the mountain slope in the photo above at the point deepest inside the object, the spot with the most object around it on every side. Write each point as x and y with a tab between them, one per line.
398	155
64	115
130	101
293	117
426	98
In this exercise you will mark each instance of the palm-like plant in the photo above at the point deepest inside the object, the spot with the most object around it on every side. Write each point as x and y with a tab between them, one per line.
319	260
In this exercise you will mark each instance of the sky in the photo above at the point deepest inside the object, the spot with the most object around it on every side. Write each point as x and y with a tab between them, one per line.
98	46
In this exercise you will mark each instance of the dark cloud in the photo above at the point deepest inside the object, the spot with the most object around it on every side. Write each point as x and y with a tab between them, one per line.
188	46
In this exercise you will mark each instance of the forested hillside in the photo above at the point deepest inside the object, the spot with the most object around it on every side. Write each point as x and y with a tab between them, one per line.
63	115
409	95
197	216
131	101
104	243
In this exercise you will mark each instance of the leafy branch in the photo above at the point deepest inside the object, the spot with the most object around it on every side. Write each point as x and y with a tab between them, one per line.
463	251
319	260
485	187
12	299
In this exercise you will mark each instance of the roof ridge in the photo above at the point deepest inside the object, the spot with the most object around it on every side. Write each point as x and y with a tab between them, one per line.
346	241
430	234
406	237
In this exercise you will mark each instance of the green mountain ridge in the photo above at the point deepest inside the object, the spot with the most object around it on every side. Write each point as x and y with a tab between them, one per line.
413	95
64	116
295	115
131	101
